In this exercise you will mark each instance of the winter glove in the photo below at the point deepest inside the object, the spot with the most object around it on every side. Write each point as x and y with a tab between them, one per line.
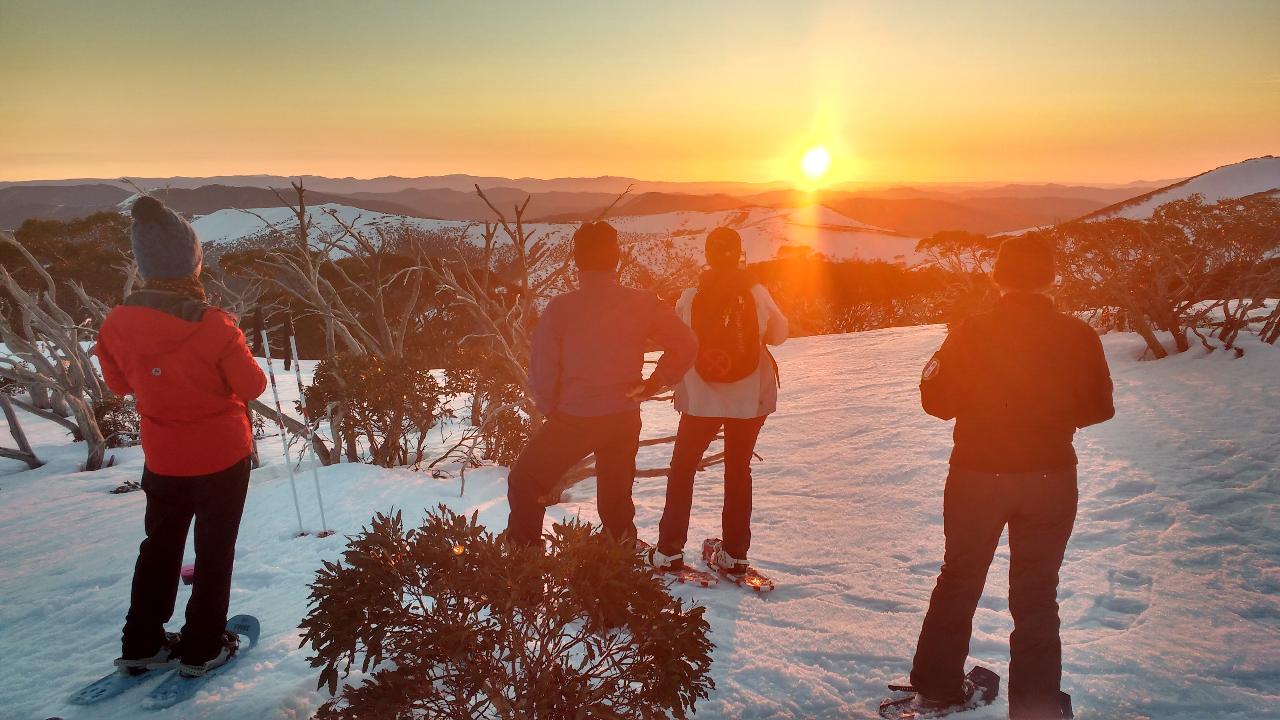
647	389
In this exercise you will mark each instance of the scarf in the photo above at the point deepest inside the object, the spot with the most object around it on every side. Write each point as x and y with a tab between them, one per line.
188	286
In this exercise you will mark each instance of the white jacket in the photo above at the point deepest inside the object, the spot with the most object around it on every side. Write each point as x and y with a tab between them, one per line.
753	396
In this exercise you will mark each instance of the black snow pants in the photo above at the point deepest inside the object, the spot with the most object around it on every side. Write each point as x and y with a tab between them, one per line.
562	442
1040	510
692	439
216	502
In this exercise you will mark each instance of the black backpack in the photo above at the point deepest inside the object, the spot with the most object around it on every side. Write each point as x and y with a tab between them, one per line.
728	330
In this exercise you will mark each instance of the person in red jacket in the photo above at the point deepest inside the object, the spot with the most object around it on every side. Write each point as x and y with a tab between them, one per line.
189	368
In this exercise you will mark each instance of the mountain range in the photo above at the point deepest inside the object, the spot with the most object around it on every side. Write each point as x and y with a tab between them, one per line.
905	210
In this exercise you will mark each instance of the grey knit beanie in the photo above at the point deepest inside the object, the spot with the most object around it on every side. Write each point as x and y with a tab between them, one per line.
164	245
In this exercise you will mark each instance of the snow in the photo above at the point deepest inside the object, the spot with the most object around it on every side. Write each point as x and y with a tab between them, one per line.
1170	590
764	230
1230	181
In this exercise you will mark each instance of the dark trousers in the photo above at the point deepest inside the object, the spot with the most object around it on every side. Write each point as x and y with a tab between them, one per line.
562	442
216	502
692	439
1040	510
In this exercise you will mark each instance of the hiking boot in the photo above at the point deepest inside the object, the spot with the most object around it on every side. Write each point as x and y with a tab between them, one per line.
230	644
665	563
927	707
724	562
164	657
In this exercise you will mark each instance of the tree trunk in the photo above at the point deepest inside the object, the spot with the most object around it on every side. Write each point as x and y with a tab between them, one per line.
1143	329
24	452
96	450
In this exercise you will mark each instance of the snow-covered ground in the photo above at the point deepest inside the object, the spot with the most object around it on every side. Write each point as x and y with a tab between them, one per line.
1170	592
764	230
1229	181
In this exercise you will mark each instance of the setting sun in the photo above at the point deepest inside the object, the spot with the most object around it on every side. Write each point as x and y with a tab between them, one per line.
815	162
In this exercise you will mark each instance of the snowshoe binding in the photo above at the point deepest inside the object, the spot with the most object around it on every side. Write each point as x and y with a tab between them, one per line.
673	567
737	570
980	688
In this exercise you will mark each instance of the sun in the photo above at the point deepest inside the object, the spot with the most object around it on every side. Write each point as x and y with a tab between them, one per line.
815	162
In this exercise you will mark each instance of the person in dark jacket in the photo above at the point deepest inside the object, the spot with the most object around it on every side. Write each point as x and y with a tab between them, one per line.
586	377
1019	380
189	368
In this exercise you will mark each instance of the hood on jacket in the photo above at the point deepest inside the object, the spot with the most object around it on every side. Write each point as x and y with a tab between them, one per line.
154	322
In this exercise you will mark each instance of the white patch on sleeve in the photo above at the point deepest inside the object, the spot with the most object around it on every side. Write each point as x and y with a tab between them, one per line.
931	368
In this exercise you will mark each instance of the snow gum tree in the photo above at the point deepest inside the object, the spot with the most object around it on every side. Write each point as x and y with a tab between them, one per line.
49	354
1192	270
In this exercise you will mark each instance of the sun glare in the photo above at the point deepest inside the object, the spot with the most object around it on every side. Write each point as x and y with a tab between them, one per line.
815	162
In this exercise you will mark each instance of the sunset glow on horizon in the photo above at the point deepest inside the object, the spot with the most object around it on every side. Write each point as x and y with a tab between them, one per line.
928	92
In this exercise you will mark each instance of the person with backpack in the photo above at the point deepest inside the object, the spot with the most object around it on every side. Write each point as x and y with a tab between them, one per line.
733	387
1019	380
586	375
190	370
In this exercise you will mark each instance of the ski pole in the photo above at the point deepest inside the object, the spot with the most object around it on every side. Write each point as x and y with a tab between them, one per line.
284	439
255	330
306	420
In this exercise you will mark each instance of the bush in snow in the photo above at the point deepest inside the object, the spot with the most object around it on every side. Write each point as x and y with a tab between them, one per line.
448	621
389	403
118	419
500	428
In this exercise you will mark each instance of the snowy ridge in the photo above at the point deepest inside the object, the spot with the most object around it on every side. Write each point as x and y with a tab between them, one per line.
765	231
1170	591
1240	179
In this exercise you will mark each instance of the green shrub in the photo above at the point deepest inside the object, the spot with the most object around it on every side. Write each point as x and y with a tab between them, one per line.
118	420
448	621
390	403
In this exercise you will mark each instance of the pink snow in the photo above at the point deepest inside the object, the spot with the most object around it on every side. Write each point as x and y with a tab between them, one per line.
1170	590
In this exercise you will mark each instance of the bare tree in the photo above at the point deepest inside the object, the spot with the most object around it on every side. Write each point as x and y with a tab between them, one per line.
47	352
24	452
1171	273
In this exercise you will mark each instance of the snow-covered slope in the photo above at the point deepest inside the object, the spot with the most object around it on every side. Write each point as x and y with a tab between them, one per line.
1170	591
765	230
1229	181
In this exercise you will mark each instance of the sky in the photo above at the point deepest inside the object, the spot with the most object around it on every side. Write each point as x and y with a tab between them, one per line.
922	90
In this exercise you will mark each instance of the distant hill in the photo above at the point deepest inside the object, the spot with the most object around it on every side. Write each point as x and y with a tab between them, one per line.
465	183
450	204
212	198
766	232
923	216
550	206
1260	174
915	210
19	202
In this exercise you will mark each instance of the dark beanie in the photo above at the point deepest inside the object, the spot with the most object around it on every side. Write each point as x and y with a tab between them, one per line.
1024	263
595	247
164	245
724	248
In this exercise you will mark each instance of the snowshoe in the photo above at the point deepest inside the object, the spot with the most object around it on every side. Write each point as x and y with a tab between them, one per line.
129	673
673	567
165	657
980	688
191	677
230	644
734	569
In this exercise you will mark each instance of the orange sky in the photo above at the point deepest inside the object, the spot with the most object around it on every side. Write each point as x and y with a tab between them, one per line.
923	91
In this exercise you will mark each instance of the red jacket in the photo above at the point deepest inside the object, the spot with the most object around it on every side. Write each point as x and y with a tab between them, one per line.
191	372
